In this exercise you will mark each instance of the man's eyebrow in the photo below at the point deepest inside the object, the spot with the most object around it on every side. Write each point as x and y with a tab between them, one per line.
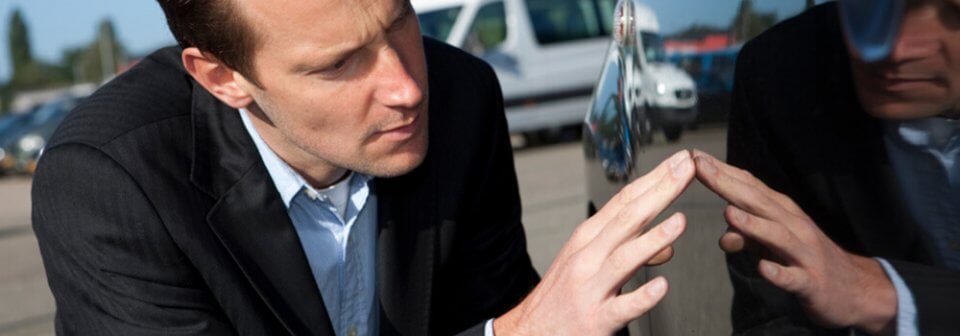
402	11
328	56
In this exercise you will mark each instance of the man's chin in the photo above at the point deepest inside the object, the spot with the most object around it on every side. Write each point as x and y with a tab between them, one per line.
890	108
397	163
903	111
398	166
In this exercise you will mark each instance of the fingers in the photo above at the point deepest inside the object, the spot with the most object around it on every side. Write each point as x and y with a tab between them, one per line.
662	257
775	237
716	176
640	211
630	306
791	279
732	242
589	229
626	259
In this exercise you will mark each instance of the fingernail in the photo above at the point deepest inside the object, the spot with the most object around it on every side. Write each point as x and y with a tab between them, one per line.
769	269
680	165
678	158
672	225
738	215
681	170
657	287
705	165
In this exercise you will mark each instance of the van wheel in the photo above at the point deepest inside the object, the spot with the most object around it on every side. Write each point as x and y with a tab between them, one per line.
672	133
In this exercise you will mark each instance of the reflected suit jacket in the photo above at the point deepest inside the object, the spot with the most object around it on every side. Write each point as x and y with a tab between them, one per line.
798	126
155	215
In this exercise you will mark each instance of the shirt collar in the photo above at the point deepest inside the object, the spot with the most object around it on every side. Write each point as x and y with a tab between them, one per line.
288	182
934	133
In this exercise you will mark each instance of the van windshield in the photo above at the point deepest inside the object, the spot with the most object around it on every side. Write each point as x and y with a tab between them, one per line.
653	47
438	23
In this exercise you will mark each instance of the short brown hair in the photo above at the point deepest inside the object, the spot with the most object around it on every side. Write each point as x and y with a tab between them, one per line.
214	27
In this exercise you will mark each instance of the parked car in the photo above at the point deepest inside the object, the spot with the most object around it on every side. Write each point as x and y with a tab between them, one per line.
616	132
22	147
12	127
712	71
546	53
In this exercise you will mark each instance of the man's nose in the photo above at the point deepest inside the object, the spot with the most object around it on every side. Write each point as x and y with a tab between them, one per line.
396	87
919	35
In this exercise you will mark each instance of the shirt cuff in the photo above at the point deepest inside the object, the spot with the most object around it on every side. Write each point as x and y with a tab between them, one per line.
906	308
488	328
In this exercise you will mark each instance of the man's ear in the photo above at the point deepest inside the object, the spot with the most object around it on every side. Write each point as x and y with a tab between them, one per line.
216	77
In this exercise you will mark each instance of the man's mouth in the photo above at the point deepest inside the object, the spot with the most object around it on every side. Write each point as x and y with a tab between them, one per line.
402	131
906	82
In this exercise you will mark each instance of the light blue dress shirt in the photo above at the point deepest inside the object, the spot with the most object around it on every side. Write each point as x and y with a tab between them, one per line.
337	228
924	155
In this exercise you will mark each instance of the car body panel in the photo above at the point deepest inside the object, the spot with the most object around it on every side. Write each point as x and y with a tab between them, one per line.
617	134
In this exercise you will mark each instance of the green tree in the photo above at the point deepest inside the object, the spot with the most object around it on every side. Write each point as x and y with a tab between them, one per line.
28	73
749	23
19	41
98	60
810	3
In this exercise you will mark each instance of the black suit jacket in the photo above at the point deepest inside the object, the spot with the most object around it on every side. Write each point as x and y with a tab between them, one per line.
797	125
156	215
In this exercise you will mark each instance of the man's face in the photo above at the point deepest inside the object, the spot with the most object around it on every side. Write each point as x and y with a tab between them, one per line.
343	83
921	77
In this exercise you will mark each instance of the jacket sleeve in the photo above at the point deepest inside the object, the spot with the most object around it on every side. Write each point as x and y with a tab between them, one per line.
759	307
494	264
112	267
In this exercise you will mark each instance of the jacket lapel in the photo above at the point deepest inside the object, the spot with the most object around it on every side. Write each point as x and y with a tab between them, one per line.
860	172
407	216
250	219
869	193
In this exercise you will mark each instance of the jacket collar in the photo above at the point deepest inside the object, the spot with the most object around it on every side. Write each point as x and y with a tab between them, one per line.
250	219
252	223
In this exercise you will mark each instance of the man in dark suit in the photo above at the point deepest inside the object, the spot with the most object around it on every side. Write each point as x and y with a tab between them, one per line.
272	176
849	114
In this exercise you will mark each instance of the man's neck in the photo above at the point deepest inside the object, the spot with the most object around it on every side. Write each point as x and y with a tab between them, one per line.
318	173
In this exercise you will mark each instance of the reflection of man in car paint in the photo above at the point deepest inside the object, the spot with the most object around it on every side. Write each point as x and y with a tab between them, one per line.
850	110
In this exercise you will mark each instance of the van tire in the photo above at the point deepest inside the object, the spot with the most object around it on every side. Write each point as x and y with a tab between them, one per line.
672	133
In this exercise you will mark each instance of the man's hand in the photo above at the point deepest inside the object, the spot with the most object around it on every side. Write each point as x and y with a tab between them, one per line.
836	288
580	293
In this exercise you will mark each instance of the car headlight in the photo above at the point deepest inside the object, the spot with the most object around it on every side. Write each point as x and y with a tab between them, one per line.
31	143
661	89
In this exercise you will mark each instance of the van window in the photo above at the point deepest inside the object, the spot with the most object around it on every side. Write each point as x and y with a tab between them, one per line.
557	21
607	7
488	30
438	23
653	47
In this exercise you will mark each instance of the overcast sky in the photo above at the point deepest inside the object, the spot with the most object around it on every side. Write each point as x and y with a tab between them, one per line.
59	24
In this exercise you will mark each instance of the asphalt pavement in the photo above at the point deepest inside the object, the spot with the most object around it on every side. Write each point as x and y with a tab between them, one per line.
554	202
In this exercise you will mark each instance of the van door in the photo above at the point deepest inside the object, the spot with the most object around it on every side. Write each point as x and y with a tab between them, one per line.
547	55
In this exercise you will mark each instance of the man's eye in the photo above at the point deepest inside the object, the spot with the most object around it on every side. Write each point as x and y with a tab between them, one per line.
335	68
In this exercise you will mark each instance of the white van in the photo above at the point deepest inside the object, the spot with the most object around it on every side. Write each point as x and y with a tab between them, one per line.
666	92
547	53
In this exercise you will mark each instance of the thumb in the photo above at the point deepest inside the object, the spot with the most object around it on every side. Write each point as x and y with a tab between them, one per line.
791	279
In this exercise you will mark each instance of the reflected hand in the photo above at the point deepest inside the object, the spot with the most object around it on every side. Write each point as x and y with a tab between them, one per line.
580	293
835	287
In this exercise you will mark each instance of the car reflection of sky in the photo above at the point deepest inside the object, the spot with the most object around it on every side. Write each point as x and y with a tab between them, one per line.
56	24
